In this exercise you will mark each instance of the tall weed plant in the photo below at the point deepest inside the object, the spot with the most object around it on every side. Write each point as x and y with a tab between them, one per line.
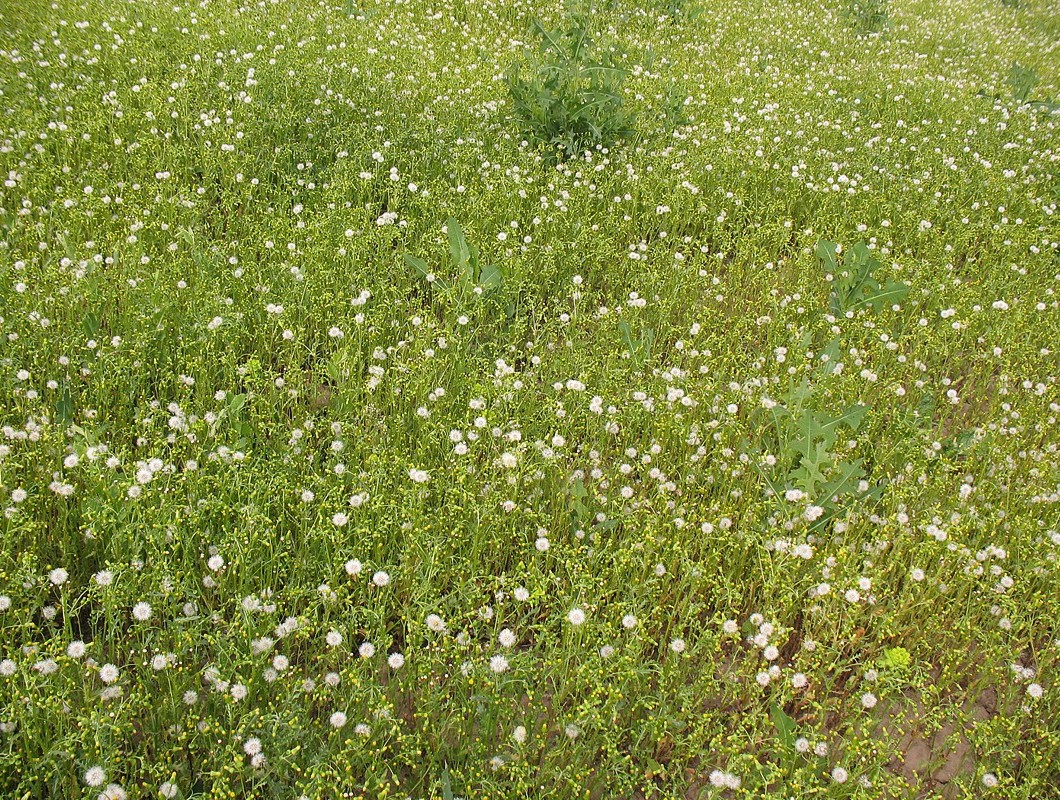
568	96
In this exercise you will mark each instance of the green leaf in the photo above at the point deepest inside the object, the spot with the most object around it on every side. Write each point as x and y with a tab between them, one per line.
646	340
843	482
807	433
897	658
811	471
491	277
459	251
826	253
834	351
420	266
892	293
90	324
417	264
64	408
236	403
784	724
627	337
851	416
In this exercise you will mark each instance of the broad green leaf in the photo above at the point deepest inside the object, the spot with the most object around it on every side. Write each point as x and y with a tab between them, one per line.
833	350
826	253
64	408
417	264
458	249
90	324
420	266
491	277
893	292
785	726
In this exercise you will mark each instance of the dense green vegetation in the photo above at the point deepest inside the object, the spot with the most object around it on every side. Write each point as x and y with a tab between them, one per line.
639	399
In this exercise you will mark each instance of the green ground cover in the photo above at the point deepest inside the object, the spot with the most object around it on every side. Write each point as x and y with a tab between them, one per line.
647	399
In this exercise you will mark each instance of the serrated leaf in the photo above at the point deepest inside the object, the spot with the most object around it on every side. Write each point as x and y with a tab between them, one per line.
851	416
811	470
844	481
807	433
826	253
892	293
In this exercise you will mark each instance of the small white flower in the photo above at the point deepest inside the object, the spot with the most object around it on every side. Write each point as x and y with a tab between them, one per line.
519	734
812	513
678	645
418	475
576	616
499	664
339	519
337	720
334	638
215	563
95	776
142	611
367	650
58	576
381	578
108	673
353	567
435	623
506	638
840	775
252	746
629	622
395	660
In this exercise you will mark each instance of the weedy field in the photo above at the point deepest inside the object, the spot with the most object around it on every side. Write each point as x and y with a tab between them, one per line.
639	399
